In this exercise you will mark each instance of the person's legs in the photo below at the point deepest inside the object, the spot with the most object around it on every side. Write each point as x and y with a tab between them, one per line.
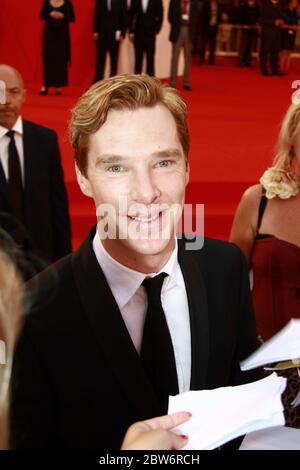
138	54
114	55
242	50
204	38
248	49
274	52
264	51
212	43
101	57
150	51
176	47
187	50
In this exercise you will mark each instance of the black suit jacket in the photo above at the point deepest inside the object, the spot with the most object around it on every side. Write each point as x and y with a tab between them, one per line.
206	14
106	22
145	23
174	18
46	205
78	382
270	13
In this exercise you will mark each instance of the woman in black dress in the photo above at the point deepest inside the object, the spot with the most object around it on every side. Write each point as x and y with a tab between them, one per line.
56	43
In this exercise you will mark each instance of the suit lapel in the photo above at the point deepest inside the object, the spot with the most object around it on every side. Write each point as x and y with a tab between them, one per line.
30	161
196	294
105	318
4	185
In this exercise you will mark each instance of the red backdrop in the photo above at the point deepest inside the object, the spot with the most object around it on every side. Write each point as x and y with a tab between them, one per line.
21	38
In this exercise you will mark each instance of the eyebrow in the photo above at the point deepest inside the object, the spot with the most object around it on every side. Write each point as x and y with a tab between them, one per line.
113	159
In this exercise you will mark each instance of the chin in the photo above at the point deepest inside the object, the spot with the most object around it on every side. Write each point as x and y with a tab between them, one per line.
150	247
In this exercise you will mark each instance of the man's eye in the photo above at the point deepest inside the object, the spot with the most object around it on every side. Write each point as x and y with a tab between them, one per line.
115	168
165	163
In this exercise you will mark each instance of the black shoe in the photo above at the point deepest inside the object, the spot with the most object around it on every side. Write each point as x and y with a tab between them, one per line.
43	91
248	65
277	73
172	85
58	92
265	73
187	87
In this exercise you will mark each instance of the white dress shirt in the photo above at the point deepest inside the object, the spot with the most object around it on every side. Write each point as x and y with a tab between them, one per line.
145	5
131	298
4	143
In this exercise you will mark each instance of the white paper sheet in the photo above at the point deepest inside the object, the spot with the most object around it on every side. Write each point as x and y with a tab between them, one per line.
285	345
223	414
279	438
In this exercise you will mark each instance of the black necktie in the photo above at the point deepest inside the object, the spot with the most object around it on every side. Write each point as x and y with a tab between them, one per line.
157	354
15	179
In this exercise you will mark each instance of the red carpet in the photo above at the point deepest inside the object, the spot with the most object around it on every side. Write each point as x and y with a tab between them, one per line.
234	120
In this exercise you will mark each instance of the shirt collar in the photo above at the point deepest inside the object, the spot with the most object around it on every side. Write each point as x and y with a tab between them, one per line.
17	127
123	281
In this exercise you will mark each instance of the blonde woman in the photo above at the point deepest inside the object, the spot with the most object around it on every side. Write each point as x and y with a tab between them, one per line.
267	228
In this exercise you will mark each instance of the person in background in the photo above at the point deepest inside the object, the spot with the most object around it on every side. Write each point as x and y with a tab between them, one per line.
288	34
271	21
211	17
248	16
145	21
57	15
33	198
266	227
110	26
183	17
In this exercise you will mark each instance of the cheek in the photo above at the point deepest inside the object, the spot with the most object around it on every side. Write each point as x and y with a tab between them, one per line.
108	190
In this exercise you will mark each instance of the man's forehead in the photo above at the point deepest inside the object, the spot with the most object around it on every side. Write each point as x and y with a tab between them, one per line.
11	78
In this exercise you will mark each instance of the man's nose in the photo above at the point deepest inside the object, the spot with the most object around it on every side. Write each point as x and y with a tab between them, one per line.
144	188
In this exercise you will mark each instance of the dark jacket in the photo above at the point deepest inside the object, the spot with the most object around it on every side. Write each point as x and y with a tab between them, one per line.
174	17
46	204
145	23
78	382
106	22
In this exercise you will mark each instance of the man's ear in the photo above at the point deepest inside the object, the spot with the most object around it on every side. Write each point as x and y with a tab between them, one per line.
83	182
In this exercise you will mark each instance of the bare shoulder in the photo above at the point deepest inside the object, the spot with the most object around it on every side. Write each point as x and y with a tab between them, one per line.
251	197
245	220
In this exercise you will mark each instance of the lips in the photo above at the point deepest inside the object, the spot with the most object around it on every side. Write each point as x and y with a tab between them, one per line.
145	219
6	110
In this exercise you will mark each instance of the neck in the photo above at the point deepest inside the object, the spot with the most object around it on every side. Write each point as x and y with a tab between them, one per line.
138	262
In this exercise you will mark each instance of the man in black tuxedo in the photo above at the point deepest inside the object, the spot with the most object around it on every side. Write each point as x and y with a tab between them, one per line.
134	314
110	25
33	198
145	20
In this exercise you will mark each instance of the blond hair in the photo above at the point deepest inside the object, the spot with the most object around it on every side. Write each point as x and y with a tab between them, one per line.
122	92
290	127
11	301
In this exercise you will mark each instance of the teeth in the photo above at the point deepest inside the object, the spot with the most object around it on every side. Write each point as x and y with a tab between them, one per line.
143	220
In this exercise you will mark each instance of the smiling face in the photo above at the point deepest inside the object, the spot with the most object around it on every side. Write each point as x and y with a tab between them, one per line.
136	158
15	96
